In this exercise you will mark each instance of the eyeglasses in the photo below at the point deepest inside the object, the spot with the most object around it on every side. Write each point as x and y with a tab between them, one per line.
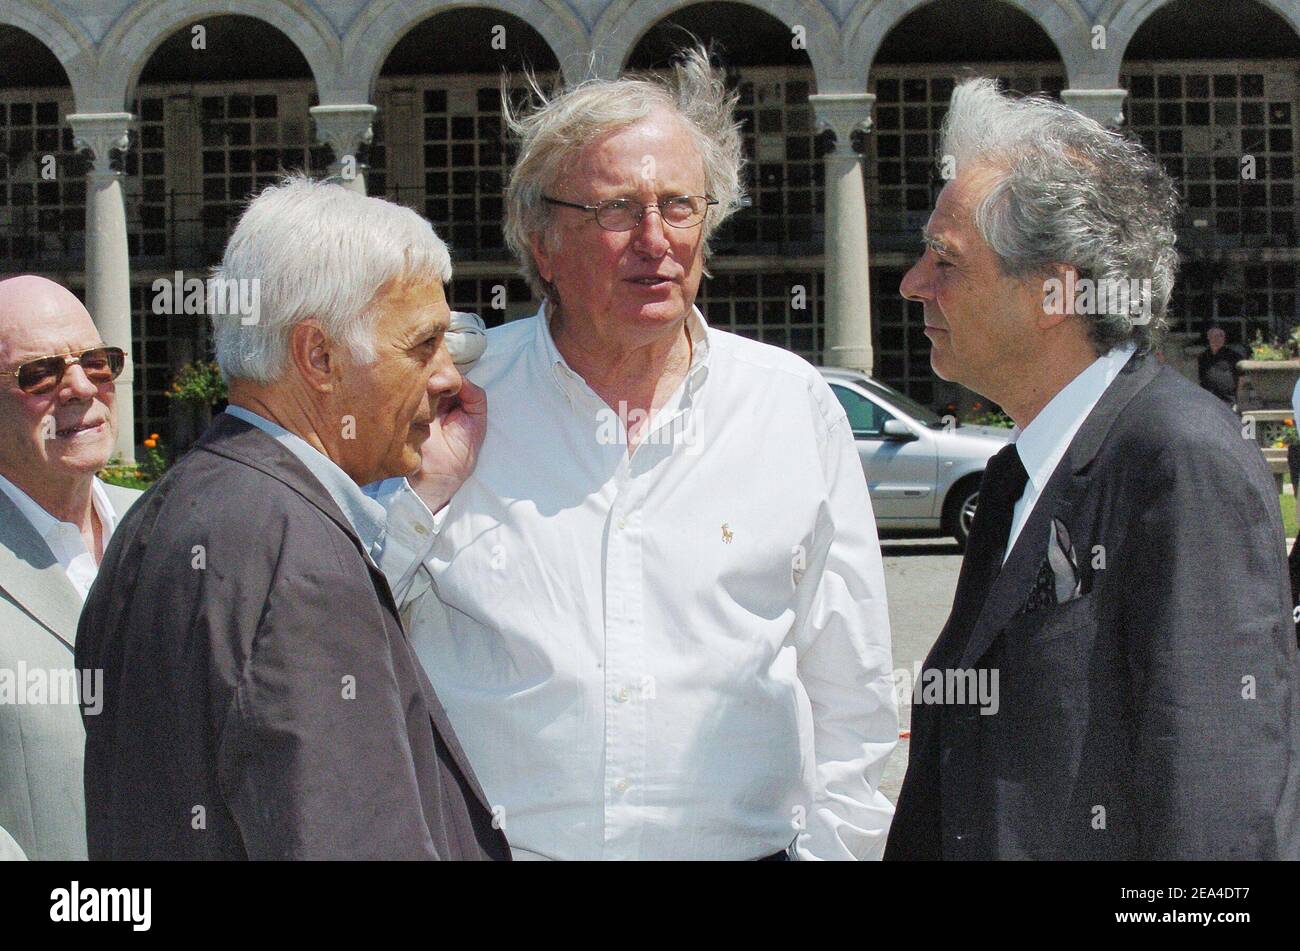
624	214
100	364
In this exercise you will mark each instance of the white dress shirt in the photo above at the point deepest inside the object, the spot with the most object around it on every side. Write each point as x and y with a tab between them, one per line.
64	538
1042	444
679	653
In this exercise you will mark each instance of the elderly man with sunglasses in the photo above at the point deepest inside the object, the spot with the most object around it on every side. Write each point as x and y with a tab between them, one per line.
661	628
58	422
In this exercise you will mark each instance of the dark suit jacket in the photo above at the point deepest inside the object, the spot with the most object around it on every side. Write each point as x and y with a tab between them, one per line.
1155	716
260	697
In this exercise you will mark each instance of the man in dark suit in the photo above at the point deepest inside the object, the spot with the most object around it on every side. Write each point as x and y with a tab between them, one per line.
260	697
1124	595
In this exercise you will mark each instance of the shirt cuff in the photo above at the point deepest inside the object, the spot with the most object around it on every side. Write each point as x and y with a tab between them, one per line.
409	533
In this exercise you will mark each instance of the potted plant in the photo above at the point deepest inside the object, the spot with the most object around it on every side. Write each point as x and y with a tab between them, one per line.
200	385
1271	372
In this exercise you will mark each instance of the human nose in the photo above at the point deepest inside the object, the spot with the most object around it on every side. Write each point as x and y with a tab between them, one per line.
916	282
445	380
651	236
76	385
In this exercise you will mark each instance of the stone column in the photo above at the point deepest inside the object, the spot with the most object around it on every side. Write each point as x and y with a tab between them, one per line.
847	303
403	136
108	270
345	129
1104	105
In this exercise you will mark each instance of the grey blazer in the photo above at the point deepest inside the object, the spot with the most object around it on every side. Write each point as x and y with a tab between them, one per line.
261	699
42	804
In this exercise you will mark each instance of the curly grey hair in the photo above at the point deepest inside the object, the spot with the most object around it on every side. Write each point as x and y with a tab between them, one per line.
1069	192
558	126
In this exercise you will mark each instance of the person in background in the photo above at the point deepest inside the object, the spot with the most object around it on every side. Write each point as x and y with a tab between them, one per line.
58	426
1217	366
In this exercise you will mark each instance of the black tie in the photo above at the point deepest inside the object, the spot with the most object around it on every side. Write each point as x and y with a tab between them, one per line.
1003	484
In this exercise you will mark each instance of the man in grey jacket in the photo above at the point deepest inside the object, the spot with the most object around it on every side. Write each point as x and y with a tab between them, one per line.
58	423
260	698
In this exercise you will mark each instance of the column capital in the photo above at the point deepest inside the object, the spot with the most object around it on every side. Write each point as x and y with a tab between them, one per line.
843	113
100	133
1104	105
344	128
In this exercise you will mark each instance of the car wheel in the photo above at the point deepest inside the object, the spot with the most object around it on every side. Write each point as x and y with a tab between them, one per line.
965	515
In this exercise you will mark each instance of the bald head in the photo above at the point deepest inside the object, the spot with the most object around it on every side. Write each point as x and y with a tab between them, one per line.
32	307
61	437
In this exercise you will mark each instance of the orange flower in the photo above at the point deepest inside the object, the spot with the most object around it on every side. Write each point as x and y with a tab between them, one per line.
150	443
153	435
1288	422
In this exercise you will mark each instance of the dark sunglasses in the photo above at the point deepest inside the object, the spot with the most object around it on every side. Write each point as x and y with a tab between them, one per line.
100	364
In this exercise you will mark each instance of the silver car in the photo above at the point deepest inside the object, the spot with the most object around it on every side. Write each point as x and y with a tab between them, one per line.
923	470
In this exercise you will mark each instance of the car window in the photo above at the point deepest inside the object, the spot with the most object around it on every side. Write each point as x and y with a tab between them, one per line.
922	414
865	417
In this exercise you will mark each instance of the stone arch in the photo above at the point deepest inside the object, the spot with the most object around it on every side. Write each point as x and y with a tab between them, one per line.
382	24
145	26
65	39
1127	16
1065	22
625	22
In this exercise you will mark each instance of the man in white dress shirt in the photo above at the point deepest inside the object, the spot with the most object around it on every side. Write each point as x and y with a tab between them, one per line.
58	421
663	629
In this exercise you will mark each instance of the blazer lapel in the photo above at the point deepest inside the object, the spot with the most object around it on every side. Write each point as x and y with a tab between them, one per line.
33	577
1013	583
1058	500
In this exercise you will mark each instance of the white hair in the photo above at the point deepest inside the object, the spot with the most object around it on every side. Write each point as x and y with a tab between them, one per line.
558	127
1071	192
320	251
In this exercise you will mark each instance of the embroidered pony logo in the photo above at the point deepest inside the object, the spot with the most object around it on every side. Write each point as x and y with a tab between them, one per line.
727	536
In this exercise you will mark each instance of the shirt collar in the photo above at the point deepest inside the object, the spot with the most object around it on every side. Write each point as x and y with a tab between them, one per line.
1043	442
569	380
366	516
44	522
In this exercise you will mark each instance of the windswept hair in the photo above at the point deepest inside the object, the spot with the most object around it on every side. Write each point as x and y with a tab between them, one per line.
1070	192
553	128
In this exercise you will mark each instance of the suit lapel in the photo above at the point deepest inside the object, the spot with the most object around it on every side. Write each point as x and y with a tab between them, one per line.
33	577
1014	581
1058	500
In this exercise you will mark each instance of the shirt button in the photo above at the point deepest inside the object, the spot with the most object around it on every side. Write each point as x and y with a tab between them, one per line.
622	524
621	786
420	529
623	695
